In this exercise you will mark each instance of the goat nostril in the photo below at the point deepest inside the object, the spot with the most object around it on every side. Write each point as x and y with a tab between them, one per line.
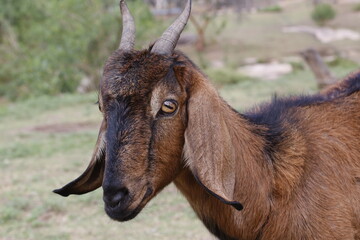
114	198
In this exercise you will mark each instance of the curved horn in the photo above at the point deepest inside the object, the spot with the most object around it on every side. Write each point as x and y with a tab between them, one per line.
167	42
128	33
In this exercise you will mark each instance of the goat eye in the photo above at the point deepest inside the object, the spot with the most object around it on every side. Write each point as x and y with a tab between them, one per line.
98	103
169	106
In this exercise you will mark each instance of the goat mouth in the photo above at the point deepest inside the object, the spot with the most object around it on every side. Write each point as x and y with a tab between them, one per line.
124	213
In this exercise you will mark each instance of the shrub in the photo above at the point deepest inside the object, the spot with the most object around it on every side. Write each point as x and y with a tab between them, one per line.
322	13
357	7
47	47
272	9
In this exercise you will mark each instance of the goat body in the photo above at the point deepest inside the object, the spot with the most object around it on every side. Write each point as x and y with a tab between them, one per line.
297	168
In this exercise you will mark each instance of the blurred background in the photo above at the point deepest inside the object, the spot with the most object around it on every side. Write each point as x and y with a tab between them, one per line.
51	59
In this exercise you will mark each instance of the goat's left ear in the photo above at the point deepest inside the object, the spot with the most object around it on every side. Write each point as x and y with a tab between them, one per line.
208	148
92	177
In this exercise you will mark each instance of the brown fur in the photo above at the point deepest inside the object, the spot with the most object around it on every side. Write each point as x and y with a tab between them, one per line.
297	178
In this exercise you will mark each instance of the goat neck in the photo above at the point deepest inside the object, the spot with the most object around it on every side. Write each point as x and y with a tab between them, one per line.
241	168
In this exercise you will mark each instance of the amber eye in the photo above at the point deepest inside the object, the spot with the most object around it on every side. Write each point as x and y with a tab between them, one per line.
169	106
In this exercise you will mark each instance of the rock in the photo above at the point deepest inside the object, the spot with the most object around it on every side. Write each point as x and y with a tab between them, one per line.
217	64
325	34
266	71
250	60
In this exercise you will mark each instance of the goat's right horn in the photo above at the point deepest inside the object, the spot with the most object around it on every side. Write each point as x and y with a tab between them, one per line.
128	33
167	42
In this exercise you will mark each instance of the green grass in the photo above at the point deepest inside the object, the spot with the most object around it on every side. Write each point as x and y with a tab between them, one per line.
343	63
226	76
43	145
38	105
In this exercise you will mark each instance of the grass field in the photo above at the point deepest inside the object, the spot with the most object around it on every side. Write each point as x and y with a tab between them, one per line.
47	141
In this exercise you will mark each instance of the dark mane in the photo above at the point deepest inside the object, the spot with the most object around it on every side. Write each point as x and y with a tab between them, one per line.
346	87
273	115
269	113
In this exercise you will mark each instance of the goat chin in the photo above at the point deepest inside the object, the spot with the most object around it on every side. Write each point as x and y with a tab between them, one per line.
127	210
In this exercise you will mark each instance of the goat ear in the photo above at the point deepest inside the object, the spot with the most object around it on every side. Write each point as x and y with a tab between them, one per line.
92	177
208	147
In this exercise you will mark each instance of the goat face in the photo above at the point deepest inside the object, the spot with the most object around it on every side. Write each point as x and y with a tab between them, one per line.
143	107
141	139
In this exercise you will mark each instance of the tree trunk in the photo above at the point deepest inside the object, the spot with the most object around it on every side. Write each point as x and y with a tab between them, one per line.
200	30
317	2
161	4
321	71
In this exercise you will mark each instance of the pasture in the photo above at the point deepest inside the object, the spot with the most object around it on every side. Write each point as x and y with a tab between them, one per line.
46	141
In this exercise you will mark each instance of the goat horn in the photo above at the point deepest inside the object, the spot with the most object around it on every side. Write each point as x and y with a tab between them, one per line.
128	33
167	42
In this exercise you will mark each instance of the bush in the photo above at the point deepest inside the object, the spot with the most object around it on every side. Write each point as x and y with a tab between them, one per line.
357	7
47	47
323	13
272	9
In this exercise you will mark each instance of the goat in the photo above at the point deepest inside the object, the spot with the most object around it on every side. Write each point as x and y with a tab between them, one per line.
288	169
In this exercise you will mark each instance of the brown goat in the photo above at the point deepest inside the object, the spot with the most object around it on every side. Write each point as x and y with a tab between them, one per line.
289	169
